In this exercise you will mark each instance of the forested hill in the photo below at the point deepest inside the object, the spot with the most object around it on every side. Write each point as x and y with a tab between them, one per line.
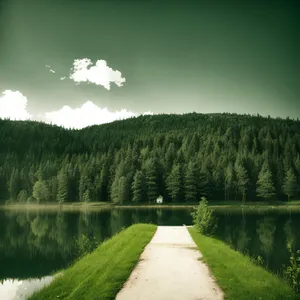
182	157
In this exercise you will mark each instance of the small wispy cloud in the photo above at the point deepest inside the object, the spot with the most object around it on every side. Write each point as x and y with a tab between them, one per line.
13	105
62	78
99	74
147	113
50	69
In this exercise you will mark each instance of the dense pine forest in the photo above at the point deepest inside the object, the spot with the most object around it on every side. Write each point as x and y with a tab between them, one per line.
181	157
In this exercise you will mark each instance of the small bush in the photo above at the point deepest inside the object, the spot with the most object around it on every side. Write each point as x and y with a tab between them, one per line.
85	245
204	220
292	272
259	261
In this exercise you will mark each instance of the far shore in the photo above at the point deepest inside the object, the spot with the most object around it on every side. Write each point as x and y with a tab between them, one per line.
73	206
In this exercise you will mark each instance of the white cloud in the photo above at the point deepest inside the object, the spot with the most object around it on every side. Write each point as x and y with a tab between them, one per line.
62	78
86	115
13	105
100	73
50	69
147	113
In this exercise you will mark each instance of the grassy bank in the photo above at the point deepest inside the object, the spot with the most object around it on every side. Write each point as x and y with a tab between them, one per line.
238	277
101	274
78	206
70	206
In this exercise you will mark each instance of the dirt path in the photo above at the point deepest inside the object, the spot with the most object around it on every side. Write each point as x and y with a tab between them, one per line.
169	269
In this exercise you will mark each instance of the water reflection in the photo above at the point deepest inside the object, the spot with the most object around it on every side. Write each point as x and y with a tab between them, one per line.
21	289
265	235
243	237
265	231
34	244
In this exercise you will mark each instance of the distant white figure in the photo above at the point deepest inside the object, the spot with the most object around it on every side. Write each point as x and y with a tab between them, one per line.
159	200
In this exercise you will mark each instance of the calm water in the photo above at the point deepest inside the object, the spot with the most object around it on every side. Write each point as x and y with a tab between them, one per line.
35	244
265	234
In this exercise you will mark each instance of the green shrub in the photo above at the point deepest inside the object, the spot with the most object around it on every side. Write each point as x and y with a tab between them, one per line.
203	218
85	245
292	272
259	261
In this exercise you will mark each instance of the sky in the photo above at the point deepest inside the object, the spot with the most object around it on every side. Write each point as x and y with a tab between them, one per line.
81	62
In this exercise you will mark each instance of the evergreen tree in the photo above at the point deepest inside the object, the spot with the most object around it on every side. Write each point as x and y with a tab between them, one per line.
297	167
265	187
84	183
138	187
86	196
40	191
122	190
151	180
53	187
3	185
242	180
173	183
217	183
290	186
103	184
73	181
23	196
114	193
203	185
62	187
14	185
190	183
229	181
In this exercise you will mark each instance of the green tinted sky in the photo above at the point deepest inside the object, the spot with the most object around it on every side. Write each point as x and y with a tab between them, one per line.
176	56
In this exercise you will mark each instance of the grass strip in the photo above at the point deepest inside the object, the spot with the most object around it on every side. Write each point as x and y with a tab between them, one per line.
237	275
101	274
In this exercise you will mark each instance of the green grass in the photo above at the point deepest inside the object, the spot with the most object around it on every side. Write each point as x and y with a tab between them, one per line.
68	206
101	274
294	205
237	275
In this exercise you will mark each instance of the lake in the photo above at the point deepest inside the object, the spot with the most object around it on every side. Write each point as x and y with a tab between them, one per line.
34	244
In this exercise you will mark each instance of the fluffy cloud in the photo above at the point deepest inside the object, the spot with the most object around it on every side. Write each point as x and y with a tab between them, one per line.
100	74
13	105
86	115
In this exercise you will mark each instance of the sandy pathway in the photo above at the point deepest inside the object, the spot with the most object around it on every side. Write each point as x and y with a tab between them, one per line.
169	269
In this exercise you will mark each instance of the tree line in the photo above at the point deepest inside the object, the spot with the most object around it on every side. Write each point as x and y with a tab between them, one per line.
181	157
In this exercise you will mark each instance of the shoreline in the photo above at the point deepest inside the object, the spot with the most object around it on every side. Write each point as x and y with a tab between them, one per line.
75	206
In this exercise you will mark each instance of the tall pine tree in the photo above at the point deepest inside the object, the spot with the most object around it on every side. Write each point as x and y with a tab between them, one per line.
242	180
190	183
290	186
138	187
265	187
174	183
62	187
